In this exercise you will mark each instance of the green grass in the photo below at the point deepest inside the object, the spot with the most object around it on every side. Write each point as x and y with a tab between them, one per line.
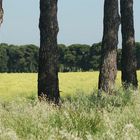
82	116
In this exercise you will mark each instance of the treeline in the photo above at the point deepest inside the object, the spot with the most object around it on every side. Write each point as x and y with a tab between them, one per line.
75	57
18	58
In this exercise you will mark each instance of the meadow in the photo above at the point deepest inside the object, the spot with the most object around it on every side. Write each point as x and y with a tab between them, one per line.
82	115
25	84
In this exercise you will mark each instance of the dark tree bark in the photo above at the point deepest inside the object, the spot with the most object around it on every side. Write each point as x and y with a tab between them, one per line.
129	64
1	13
108	67
48	83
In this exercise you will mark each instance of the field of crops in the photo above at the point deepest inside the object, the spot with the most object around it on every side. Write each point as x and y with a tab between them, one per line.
22	84
82	115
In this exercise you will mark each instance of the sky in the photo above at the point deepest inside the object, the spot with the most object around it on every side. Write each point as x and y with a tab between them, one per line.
80	21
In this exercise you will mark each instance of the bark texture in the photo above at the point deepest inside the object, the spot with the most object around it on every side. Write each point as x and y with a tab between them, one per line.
108	67
1	13
48	83
129	64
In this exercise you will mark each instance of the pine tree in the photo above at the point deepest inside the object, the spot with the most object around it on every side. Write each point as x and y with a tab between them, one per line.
129	64
108	67
48	83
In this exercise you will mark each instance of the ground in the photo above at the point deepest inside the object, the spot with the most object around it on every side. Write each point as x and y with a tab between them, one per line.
81	116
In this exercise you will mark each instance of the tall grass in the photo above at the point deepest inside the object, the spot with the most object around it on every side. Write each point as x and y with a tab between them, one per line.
81	117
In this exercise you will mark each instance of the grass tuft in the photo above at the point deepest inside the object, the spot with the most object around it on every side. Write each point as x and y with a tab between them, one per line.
80	117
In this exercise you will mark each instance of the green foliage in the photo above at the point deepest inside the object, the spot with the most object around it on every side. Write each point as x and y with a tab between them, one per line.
3	58
76	57
18	58
95	55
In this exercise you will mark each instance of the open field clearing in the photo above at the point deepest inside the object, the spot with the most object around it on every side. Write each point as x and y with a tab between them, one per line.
23	84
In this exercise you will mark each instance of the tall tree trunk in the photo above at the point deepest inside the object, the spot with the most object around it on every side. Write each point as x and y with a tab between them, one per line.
108	67
129	64
1	13
48	83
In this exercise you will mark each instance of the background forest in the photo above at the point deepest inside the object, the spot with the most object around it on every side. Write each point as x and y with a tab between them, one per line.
76	57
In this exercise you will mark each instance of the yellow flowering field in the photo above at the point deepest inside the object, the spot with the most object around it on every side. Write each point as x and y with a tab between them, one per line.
25	84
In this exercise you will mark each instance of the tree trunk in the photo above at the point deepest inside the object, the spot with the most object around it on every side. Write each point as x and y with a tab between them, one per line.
108	67
48	83
129	65
1	13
